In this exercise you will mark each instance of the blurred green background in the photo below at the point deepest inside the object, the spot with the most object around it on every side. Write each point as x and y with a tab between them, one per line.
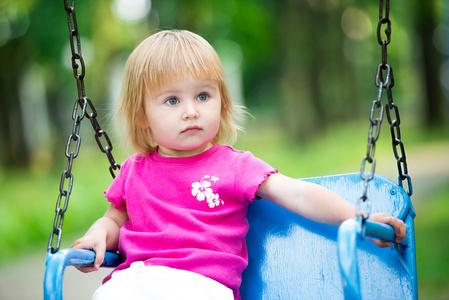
304	68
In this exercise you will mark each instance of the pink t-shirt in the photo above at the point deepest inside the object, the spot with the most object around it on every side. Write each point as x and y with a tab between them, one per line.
188	213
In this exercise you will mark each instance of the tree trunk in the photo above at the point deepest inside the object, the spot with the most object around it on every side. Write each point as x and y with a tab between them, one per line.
13	150
426	23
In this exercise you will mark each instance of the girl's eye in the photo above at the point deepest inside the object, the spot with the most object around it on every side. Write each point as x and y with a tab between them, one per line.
202	97
172	101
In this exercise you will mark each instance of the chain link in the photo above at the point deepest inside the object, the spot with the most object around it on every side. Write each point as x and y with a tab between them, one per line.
383	83
80	110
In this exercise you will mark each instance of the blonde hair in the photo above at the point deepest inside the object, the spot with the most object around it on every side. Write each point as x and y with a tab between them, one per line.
161	59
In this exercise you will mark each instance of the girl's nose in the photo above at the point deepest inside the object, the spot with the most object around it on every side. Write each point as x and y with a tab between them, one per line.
191	111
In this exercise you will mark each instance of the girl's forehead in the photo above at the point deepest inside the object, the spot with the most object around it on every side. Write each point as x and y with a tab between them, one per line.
157	87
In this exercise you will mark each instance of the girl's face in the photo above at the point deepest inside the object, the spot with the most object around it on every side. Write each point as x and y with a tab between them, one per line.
185	116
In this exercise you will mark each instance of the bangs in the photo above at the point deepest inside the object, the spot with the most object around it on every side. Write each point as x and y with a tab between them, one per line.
178	57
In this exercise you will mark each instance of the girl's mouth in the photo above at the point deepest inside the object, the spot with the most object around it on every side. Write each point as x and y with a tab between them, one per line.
191	129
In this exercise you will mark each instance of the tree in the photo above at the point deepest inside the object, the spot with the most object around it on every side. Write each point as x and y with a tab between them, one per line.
426	22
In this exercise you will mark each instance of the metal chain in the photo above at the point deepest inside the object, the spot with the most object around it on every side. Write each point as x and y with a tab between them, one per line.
373	136
375	124
395	121
397	143
83	108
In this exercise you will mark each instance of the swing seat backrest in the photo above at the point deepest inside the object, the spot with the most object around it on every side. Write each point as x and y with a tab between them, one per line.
291	257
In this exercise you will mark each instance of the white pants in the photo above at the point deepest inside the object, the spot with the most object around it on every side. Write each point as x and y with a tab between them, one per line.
140	282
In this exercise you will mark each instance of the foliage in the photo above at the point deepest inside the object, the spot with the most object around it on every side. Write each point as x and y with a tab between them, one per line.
308	62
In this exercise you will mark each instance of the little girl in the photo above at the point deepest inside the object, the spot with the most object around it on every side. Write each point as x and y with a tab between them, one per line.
178	206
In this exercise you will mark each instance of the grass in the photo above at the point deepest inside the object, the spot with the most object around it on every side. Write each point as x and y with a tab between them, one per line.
27	203
432	245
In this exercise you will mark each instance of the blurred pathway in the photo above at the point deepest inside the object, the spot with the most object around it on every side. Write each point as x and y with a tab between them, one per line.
428	167
22	279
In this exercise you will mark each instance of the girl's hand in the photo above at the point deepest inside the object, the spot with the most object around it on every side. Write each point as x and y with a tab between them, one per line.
398	226
92	241
102	236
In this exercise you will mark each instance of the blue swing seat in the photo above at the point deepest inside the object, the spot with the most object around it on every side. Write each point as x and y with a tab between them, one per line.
291	257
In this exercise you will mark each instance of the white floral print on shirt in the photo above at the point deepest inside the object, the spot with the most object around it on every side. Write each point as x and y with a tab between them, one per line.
203	191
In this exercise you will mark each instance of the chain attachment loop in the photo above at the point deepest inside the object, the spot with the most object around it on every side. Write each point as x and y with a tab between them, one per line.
389	79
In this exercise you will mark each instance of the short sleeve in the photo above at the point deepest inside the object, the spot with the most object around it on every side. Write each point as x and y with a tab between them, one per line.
115	192
251	172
